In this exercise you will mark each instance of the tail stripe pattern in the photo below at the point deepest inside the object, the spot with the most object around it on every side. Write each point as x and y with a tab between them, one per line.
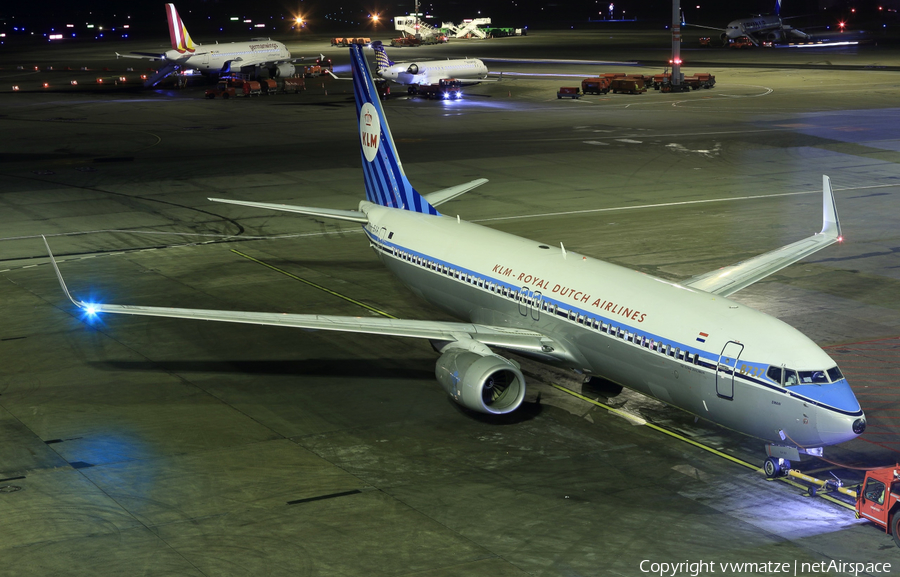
381	58
386	183
181	40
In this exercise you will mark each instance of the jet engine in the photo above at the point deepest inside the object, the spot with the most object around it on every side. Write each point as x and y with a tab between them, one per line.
284	70
484	383
413	69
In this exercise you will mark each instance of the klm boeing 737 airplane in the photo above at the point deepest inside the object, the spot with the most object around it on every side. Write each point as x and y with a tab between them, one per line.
685	343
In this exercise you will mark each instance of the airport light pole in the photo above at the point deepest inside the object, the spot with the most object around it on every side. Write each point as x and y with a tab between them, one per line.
677	76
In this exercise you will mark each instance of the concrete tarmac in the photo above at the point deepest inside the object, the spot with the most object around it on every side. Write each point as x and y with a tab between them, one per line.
159	447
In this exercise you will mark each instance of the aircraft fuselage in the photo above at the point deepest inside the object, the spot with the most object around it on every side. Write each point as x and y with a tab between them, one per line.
699	352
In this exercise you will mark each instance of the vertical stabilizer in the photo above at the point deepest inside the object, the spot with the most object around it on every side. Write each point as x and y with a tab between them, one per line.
181	40
386	183
381	58
777	7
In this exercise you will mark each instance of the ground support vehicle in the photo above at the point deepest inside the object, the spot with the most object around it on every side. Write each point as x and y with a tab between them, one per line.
383	87
293	85
700	80
405	41
705	41
445	89
268	86
595	85
879	500
627	86
741	42
224	88
569	92
252	88
312	71
228	86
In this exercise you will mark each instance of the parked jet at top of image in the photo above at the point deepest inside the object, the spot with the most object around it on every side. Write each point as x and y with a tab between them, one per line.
215	58
684	343
467	70
759	28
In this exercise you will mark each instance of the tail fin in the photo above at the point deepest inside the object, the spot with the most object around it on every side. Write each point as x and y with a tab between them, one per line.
381	58
777	7
181	40
386	183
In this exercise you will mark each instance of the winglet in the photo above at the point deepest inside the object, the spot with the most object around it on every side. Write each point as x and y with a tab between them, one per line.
831	226
62	283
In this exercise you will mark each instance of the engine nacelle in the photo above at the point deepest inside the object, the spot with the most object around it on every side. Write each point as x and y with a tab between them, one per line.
284	70
487	384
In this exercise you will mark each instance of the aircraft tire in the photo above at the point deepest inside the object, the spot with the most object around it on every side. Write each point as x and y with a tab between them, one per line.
895	528
771	468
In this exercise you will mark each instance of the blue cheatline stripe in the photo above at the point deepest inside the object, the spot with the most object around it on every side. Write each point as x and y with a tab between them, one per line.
385	182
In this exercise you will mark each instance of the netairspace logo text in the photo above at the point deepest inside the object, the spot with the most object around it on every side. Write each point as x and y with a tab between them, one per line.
697	568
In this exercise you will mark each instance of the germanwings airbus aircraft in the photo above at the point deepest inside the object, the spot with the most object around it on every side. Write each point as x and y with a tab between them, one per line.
467	70
683	343
215	58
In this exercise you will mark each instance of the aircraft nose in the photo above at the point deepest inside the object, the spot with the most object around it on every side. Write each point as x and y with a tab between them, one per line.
834	428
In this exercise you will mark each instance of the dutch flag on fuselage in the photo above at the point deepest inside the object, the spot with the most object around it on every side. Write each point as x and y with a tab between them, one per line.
386	183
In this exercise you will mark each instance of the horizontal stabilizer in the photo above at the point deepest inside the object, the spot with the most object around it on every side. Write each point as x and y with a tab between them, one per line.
349	215
730	279
441	196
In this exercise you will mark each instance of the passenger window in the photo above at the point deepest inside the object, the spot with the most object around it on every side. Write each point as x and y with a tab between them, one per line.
774	373
834	374
790	378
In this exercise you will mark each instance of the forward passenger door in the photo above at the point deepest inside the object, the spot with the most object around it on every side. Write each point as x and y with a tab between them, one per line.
725	369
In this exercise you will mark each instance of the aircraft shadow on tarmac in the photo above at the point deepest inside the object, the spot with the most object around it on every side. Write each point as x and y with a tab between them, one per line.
347	368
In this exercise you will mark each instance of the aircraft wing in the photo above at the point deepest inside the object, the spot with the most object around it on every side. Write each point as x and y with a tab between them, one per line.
701	26
503	337
730	279
142	56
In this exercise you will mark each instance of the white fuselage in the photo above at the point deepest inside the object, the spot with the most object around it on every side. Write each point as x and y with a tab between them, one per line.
697	351
752	26
431	72
213	57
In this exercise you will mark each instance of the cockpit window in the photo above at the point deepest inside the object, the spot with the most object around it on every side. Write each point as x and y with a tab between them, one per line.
774	373
813	377
834	374
790	378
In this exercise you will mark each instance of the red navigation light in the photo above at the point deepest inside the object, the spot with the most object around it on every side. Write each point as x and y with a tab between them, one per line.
46	85
840	239
842	24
